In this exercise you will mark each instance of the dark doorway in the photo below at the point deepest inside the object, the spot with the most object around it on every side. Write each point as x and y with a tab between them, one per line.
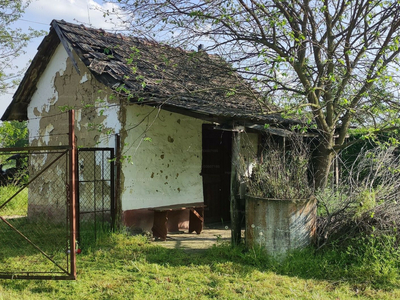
216	172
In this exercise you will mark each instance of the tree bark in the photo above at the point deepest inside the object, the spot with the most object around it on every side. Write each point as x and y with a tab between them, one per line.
322	159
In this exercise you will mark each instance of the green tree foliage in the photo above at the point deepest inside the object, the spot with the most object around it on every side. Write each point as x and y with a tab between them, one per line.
12	40
333	62
13	134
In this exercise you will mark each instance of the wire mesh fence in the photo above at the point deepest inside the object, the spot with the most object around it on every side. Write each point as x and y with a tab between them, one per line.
35	220
95	193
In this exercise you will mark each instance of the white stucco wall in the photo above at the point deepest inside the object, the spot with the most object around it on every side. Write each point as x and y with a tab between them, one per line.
111	114
165	152
165	149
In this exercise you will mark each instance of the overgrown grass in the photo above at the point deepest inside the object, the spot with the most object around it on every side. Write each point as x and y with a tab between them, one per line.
119	266
17	206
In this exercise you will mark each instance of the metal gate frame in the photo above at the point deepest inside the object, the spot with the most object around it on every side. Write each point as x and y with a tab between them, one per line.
69	272
70	151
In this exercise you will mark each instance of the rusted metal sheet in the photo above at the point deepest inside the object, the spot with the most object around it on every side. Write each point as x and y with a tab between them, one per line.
280	225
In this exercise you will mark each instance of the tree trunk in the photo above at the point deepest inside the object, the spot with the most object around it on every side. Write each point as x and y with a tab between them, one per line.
322	160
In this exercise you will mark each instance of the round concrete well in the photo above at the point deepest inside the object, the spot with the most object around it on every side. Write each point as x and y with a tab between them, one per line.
280	225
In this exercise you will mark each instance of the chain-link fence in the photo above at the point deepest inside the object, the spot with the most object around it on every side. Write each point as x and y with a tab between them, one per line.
35	217
95	193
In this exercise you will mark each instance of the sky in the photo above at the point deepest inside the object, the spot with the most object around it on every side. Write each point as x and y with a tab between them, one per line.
39	15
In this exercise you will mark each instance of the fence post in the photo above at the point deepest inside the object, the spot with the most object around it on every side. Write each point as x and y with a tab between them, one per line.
117	185
72	190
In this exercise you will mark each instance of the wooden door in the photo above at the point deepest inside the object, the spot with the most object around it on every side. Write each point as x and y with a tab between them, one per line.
216	172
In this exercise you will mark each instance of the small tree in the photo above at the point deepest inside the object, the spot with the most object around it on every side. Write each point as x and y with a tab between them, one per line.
12	40
13	134
334	62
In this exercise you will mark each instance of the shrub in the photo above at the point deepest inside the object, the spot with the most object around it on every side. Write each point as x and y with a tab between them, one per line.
364	202
282	172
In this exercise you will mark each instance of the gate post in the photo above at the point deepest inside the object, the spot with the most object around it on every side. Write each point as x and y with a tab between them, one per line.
72	191
117	185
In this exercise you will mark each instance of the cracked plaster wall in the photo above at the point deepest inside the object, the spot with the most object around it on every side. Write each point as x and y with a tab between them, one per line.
96	119
165	170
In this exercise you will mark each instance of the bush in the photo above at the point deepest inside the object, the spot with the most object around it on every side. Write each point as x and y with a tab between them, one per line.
364	203
282	173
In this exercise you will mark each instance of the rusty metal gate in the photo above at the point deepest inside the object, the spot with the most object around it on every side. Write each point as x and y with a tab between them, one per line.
95	205
36	214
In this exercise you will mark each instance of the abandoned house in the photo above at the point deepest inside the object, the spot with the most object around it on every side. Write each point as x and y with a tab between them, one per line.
176	113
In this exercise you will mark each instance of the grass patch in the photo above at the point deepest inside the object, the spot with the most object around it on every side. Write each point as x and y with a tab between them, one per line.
18	206
119	266
18	255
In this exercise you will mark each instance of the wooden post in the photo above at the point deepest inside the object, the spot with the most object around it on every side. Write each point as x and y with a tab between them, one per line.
72	191
336	164
236	210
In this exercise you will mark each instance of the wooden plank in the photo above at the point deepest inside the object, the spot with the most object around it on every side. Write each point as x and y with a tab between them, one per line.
196	221
236	210
66	45
160	225
178	207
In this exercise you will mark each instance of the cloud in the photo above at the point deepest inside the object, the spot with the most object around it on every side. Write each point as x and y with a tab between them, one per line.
87	12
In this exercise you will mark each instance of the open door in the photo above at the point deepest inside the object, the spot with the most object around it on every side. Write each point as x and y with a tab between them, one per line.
216	172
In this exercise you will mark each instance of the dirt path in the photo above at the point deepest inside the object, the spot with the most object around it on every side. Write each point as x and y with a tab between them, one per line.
206	239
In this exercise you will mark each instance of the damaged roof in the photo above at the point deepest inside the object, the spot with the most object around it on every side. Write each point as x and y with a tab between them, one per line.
189	82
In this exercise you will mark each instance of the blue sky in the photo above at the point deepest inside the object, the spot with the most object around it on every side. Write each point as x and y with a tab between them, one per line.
39	15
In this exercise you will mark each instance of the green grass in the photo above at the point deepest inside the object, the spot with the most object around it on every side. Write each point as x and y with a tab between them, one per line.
119	266
18	206
17	255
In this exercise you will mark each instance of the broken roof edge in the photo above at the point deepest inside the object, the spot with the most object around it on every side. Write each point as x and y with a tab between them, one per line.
17	109
283	132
